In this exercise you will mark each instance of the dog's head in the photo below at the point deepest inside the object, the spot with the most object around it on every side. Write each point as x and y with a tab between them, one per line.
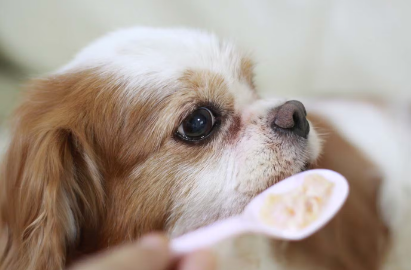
145	129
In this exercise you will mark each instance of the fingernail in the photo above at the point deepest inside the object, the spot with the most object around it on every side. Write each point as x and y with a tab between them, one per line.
154	241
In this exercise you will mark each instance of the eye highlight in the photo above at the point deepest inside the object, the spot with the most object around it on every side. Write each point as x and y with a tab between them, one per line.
197	126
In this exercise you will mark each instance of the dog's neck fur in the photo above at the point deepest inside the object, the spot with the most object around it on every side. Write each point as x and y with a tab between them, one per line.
357	238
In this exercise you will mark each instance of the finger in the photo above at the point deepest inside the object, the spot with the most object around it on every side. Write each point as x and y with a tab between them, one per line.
200	260
150	253
155	253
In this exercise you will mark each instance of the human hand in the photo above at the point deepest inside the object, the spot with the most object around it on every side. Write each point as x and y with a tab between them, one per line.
150	253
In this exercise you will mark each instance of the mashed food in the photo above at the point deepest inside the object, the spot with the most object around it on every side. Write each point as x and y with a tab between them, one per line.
300	207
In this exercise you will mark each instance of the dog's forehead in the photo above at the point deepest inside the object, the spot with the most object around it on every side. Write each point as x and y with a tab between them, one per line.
142	56
161	51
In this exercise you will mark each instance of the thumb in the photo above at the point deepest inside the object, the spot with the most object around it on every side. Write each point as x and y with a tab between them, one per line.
150	253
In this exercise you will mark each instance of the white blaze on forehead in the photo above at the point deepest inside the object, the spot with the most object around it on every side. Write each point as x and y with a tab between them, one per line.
166	52
144	56
242	93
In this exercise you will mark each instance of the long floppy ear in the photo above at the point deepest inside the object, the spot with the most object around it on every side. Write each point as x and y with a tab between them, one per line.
49	184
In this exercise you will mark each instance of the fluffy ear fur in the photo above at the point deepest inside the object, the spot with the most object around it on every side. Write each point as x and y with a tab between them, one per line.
50	186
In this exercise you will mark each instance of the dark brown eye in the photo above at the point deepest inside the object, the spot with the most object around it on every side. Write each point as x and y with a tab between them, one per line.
197	125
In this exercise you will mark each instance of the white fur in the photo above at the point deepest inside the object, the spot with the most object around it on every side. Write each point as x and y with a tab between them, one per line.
144	56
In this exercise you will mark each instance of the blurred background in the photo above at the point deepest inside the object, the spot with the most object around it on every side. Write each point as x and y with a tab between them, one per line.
302	47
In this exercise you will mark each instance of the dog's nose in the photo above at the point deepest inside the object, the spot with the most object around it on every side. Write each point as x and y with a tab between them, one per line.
291	116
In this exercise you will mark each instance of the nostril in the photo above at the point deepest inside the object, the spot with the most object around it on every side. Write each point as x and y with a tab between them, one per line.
296	118
291	116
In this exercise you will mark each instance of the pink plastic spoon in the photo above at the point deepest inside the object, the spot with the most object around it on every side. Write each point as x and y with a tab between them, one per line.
251	221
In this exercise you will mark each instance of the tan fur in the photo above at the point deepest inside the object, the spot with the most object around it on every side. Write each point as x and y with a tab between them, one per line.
247	71
71	167
50	176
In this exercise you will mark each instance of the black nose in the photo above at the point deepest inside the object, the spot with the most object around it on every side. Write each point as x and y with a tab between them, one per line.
291	116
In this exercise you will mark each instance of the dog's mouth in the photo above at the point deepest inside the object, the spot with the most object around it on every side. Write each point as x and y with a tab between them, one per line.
276	179
307	166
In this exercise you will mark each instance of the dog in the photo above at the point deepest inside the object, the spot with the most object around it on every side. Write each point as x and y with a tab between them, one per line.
163	129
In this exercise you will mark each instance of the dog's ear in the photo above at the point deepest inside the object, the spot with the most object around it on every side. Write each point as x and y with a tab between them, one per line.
50	184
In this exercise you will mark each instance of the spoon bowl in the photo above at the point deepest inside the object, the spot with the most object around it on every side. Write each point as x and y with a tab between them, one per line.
251	220
336	199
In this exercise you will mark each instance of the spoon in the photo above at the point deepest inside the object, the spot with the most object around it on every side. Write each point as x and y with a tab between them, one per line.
251	221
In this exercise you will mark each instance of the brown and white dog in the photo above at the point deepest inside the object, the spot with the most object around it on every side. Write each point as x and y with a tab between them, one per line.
152	129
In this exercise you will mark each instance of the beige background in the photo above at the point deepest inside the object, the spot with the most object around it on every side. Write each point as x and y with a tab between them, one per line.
303	47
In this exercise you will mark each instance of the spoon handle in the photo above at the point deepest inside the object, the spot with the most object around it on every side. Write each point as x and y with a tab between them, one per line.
207	236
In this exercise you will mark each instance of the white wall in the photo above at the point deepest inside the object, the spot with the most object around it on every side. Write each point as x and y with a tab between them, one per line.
303	47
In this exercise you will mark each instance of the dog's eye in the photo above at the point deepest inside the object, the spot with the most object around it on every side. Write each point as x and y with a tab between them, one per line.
197	126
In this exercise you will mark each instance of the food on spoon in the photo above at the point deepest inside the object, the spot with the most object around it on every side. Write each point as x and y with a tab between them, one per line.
296	209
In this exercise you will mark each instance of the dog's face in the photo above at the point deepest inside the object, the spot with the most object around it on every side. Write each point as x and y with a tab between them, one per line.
161	129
